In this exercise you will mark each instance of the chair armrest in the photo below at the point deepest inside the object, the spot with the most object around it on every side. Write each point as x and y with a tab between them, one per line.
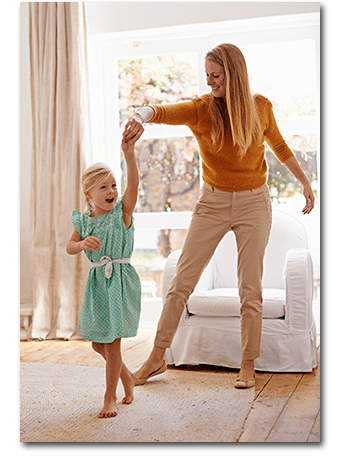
298	278
170	270
206	281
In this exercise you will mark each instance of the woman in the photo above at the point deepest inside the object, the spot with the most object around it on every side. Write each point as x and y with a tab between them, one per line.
231	126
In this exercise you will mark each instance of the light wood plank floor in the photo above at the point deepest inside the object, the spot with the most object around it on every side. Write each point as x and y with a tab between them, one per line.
286	407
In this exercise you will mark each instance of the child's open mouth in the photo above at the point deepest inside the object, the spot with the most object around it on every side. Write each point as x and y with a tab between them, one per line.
109	201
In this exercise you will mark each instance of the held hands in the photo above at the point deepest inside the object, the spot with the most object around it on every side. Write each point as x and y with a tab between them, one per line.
133	131
128	147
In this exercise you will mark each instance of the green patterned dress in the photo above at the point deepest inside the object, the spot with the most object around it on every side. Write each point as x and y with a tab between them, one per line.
111	306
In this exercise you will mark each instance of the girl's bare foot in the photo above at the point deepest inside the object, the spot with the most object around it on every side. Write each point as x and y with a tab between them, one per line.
127	399
110	409
128	384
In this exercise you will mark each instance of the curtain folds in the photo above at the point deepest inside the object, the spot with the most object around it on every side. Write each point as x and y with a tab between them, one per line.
60	119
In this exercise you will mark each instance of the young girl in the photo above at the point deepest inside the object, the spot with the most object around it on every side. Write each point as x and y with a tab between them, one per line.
112	299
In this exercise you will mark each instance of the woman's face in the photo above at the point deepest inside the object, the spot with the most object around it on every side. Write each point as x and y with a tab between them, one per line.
215	78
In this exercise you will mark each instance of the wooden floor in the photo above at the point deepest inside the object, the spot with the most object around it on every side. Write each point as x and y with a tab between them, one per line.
286	407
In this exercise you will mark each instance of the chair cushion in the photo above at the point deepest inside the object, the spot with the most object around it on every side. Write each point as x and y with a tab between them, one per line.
226	302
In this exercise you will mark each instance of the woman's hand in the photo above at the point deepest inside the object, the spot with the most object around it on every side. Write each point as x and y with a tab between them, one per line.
296	170
310	199
133	131
91	243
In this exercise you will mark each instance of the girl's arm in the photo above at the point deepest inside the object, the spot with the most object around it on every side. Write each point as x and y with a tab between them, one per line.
131	192
75	245
297	171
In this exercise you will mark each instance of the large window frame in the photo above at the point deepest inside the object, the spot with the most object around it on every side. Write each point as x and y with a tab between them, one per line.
105	51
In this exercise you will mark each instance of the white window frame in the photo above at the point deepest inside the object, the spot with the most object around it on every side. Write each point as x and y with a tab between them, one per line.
106	49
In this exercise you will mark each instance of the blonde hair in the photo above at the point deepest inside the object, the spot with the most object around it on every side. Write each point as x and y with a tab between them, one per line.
239	109
92	176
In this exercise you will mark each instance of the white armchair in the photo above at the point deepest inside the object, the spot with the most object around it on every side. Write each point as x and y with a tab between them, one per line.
209	330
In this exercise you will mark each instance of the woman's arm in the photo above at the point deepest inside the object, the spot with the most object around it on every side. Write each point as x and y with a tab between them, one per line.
181	113
296	170
131	192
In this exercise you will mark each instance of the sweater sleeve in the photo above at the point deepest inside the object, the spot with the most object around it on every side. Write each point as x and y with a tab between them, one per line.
274	138
183	113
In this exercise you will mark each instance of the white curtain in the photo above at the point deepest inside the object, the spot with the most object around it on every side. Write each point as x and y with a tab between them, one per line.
60	117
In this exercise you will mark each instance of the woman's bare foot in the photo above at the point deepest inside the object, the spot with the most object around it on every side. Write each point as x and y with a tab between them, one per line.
110	408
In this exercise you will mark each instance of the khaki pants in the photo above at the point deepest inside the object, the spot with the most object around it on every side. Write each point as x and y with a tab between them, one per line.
248	214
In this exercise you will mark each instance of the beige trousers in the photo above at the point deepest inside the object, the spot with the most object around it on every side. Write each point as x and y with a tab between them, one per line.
248	214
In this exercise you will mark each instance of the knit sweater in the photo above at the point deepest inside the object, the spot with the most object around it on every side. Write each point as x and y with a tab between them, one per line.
226	170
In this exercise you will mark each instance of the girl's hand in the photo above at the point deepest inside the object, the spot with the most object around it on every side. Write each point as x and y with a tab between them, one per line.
133	131
91	243
128	148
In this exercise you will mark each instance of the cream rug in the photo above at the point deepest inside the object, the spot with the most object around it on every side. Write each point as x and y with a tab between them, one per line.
60	403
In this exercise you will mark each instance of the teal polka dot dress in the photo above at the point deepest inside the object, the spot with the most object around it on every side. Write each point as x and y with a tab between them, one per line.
111	306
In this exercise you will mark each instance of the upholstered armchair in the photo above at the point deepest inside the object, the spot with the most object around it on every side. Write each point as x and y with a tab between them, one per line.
209	329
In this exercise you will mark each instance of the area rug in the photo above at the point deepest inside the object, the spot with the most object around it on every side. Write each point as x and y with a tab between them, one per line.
60	403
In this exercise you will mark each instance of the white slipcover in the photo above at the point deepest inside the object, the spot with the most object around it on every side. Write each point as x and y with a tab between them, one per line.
209	329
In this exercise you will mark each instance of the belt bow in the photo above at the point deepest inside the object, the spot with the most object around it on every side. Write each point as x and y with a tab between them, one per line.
108	263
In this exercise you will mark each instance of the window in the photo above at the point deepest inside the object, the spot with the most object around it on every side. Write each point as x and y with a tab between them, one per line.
168	165
167	65
285	72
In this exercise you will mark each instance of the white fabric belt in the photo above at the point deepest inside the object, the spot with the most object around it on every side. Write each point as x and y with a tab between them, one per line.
108	264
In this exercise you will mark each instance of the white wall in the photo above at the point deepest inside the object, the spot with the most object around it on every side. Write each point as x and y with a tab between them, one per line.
120	16
106	17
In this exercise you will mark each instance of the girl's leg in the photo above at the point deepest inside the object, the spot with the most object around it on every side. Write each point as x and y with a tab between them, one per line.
127	377
99	348
113	369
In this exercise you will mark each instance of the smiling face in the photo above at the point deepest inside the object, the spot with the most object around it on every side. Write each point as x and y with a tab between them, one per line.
215	79
104	195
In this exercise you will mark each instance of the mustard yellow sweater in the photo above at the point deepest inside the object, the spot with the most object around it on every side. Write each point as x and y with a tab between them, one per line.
226	170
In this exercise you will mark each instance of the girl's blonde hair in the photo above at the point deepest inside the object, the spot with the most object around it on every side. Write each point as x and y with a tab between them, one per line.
92	176
239	109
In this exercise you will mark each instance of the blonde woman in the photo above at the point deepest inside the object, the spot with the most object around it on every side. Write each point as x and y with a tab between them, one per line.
230	125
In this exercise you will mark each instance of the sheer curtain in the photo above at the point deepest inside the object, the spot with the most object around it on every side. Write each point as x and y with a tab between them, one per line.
60	119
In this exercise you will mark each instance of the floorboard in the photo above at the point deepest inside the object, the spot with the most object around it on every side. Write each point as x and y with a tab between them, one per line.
268	405
286	407
286	410
297	419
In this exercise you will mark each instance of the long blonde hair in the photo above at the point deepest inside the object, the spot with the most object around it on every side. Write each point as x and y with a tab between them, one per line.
94	174
239	109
